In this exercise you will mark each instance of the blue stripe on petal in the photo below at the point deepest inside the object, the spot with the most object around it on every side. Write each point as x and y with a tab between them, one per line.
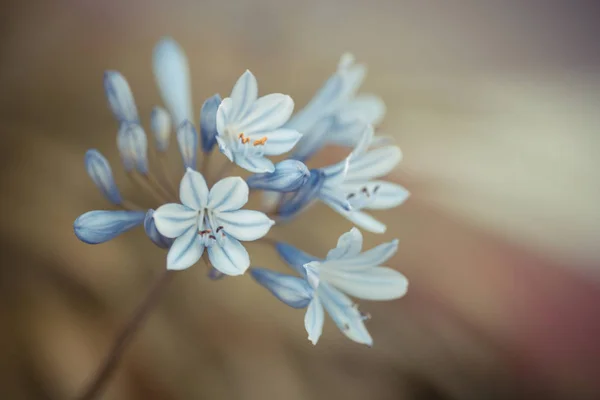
153	233
193	190
293	291
231	258
243	95
267	113
172	219
228	194
185	251
208	123
294	257
378	283
99	170
133	146
96	227
187	139
172	75
245	225
120	98
289	176
160	123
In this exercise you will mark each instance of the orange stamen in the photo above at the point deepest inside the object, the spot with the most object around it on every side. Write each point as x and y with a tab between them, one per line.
260	141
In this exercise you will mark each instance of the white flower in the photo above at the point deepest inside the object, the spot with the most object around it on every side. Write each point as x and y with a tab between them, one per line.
249	128
212	220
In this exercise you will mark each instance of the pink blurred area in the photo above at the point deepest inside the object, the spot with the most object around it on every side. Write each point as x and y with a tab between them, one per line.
495	106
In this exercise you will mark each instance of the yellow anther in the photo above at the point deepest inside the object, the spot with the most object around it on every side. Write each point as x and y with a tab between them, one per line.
260	141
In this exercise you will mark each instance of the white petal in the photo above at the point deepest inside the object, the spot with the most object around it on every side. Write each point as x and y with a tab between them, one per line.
224	113
173	79
187	139
120	98
348	245
255	164
185	251
267	113
228	194
225	148
366	107
361	219
231	258
245	225
314	319
344	313
376	256
160	123
279	141
335	199
374	164
243	95
379	283
313	138
193	190
172	220
388	195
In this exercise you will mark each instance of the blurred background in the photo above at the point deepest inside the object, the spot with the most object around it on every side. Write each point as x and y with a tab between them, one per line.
495	106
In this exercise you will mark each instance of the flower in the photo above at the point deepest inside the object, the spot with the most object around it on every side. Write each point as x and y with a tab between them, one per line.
326	284
249	128
213	220
100	226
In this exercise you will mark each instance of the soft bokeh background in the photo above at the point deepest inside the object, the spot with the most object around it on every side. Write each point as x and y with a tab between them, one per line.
496	107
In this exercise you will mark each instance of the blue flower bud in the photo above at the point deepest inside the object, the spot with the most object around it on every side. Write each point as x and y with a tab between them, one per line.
120	98
160	123
289	176
208	122
187	139
133	146
99	170
95	227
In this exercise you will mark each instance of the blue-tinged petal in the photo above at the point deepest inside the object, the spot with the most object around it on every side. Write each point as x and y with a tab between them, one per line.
231	258
378	283
278	141
314	319
303	197
187	139
96	227
294	257
208	123
120	98
293	291
172	219
349	245
373	257
255	164
193	191
224	113
225	148
289	176
366	107
363	220
335	199
382	195
373	164
313	138
153	233
133	147
172	75
335	174
185	251
228	194
313	273
243	95
345	314
267	113
99	170
160	124
245	225
348	132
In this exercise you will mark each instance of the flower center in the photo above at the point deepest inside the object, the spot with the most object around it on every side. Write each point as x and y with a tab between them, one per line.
362	197
209	232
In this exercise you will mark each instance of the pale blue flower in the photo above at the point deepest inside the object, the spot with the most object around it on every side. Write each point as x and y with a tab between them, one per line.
160	124
213	220
153	233
345	271
333	113
289	176
172	75
96	227
250	128
187	139
208	122
100	171
133	147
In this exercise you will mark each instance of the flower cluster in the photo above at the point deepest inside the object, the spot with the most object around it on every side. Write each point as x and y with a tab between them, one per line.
200	222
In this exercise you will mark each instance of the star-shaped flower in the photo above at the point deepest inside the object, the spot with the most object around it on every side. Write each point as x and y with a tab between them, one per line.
326	284
249	128
212	220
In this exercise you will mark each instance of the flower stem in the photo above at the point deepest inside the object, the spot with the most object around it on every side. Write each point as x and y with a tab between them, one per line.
107	369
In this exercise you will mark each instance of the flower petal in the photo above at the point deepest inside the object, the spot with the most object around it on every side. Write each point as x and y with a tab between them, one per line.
243	95
384	195
224	113
278	142
172	75
153	233
373	164
349	245
378	255
267	113
366	107
193	190
172	219
289	176
96	227
294	257
303	197
187	139
313	138
361	219
133	147
208	123
231	258
185	251
335	199
345	314
245	225
256	164
224	148
379	283
160	124
314	320
99	170
228	194
293	291
120	98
